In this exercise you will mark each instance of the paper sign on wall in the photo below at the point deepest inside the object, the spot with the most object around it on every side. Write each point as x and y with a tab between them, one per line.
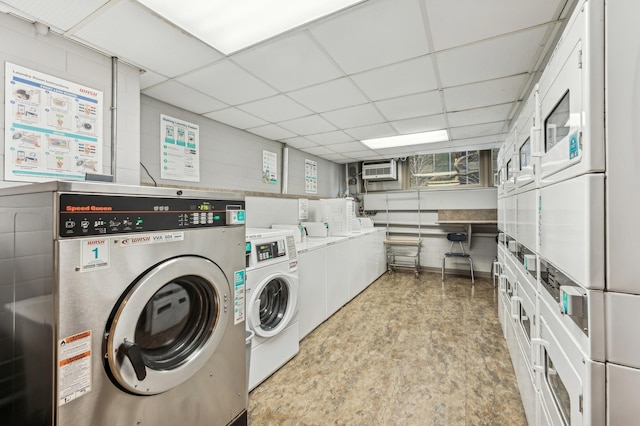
269	167
303	208
53	127
310	176
179	149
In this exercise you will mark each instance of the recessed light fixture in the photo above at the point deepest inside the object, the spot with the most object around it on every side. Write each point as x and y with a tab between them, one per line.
405	140
232	25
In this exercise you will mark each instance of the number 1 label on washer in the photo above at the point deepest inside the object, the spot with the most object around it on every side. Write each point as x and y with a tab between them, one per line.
94	254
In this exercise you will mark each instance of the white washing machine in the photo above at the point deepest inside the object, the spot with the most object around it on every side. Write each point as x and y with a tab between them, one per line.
272	300
121	305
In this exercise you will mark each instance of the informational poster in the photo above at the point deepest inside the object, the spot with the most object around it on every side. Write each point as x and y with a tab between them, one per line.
269	167
303	208
179	149
310	176
53	127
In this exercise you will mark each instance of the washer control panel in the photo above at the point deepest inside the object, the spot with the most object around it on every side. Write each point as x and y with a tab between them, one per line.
270	250
91	214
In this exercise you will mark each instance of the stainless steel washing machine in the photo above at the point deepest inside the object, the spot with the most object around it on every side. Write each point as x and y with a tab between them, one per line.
121	306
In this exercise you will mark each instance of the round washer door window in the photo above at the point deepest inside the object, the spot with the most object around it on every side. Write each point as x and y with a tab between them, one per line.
167	326
273	304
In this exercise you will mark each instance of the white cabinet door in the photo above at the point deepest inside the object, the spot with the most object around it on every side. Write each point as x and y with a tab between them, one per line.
312	292
337	276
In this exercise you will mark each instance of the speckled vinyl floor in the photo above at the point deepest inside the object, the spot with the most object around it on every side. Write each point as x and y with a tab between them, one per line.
405	351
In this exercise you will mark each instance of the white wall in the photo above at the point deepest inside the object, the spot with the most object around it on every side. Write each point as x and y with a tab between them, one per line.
230	158
262	212
399	210
56	56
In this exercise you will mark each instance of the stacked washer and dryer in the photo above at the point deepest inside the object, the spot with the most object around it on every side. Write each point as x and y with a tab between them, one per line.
121	305
569	293
272	300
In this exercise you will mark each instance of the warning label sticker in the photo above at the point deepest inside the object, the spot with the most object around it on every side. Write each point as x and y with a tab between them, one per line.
74	367
238	297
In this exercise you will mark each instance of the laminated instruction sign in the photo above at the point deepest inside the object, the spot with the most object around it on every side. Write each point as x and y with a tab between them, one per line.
53	127
310	176
179	149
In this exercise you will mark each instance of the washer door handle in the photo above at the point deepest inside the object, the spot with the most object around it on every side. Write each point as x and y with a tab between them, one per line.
132	351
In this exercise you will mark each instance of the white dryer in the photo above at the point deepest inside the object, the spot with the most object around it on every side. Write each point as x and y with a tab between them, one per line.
272	300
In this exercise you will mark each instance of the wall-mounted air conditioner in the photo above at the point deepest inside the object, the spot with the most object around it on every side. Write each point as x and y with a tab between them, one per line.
380	170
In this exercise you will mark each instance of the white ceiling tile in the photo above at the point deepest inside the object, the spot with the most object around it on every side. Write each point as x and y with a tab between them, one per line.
420	124
464	21
184	97
336	94
276	108
131	32
480	115
337	158
370	132
329	138
356	116
498	57
236	118
289	63
299	142
366	155
427	103
347	147
403	78
308	125
401	151
228	82
318	150
62	14
483	94
485	129
271	131
477	143
373	34
150	78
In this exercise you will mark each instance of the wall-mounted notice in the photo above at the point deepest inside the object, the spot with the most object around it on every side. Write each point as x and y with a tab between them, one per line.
303	208
310	176
53	127
269	167
179	149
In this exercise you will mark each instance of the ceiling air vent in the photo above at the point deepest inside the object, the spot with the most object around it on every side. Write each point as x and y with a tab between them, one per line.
380	170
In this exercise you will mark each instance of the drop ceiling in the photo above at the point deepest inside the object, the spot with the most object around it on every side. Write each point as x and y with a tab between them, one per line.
379	68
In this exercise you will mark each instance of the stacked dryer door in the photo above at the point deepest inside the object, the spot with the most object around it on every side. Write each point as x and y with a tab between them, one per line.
137	306
272	301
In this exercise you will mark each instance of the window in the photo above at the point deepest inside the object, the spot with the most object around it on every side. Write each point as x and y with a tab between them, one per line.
525	154
494	167
509	169
556	126
445	169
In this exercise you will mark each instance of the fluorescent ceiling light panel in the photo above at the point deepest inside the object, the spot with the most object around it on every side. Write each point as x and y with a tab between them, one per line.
232	25
406	140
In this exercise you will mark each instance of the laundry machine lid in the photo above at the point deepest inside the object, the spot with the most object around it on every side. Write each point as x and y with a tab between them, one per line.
167	325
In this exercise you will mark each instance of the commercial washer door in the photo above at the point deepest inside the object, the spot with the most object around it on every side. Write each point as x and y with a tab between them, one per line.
273	304
167	325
